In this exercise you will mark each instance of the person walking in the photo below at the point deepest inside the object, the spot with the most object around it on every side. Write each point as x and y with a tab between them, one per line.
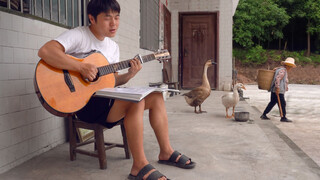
278	88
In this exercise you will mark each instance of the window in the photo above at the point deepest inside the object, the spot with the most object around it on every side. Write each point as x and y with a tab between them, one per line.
66	12
149	24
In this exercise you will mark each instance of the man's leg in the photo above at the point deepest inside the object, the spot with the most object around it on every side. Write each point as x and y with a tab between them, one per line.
159	122
133	122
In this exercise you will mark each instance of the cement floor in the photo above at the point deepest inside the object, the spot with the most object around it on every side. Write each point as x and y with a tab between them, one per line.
303	105
222	148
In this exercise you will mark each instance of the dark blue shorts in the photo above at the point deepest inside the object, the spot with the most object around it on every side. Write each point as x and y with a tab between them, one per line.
96	111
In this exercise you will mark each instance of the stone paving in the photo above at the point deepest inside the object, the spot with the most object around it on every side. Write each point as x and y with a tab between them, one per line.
303	107
223	149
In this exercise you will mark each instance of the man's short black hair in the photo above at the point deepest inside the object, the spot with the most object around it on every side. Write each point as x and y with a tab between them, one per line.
95	7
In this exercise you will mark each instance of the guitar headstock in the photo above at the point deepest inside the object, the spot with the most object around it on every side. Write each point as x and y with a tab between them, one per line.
162	55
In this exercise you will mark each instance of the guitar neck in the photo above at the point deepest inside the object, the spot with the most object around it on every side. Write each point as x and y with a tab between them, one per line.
112	68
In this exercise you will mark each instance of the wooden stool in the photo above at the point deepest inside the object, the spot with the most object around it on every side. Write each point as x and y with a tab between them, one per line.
100	146
171	85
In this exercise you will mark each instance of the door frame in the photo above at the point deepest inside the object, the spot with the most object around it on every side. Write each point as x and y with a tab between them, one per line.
181	15
167	38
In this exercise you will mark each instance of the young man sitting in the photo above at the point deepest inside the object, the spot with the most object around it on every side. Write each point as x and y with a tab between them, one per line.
104	16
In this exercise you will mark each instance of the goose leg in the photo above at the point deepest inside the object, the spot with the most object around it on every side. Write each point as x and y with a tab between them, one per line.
200	111
227	116
197	112
233	111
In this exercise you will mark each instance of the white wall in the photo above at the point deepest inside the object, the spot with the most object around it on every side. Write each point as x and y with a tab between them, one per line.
128	39
224	7
225	42
26	128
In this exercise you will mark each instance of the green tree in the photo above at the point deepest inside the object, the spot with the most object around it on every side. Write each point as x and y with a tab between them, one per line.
258	21
295	9
308	10
312	9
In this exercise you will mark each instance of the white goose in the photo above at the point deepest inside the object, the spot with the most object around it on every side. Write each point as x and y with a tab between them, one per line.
231	99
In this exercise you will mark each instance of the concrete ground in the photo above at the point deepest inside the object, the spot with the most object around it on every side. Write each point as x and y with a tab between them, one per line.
222	148
303	107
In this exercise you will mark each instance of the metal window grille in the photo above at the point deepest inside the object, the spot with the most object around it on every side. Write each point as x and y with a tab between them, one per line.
67	12
149	24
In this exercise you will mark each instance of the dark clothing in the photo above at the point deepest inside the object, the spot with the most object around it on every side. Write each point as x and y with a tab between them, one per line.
280	82
96	111
274	101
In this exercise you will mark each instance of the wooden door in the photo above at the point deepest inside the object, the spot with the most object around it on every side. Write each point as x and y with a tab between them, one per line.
167	65
198	43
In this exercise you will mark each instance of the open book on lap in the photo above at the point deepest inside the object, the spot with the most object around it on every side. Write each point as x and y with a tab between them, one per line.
135	94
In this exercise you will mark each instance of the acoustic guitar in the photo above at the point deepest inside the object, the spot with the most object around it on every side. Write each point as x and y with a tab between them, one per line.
63	92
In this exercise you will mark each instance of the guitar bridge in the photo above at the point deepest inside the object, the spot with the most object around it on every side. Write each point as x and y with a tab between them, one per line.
68	81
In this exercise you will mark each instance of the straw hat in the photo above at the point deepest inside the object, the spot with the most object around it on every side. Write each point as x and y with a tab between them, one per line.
289	62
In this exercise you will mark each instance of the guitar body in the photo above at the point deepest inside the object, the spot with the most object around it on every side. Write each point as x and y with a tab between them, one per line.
62	98
63	92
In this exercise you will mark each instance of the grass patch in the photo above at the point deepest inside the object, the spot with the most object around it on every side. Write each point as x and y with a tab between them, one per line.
257	56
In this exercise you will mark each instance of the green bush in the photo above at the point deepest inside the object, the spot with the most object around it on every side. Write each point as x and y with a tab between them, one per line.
299	57
239	53
315	59
274	55
256	55
303	60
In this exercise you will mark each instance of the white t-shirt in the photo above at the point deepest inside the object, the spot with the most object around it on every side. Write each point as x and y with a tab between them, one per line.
80	41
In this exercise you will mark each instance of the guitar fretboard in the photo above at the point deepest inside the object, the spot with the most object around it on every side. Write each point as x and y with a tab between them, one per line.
112	68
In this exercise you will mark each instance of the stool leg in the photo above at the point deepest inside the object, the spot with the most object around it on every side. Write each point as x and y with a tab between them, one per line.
98	133
125	142
176	87
72	139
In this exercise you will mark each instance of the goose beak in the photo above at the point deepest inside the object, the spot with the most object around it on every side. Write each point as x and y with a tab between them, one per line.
244	88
